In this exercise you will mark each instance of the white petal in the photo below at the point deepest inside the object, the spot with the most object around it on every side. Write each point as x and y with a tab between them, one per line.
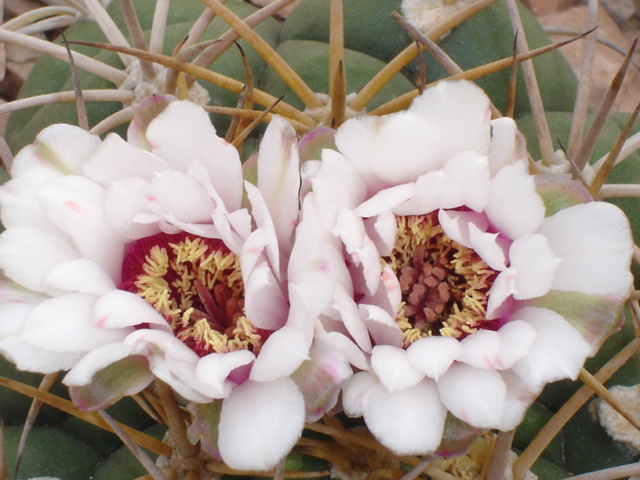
433	190
519	397
95	360
393	368
61	147
26	255
382	327
503	287
471	172
120	309
558	351
455	225
408	422
265	304
461	110
595	245
488	246
473	395
386	200
182	134
480	349
265	419
514	207
67	324
351	316
80	275
516	338
278	176
434	355
506	143
213	369
350	350
116	159
354	392
535	265
280	355
181	196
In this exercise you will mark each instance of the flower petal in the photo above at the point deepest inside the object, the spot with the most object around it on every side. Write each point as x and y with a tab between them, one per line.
599	265
393	368
474	395
558	351
281	354
535	265
434	355
408	422
263	418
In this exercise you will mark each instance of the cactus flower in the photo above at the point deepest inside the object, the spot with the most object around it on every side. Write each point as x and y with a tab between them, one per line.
126	261
452	279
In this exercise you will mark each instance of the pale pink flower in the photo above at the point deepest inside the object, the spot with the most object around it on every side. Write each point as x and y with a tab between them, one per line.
450	277
129	260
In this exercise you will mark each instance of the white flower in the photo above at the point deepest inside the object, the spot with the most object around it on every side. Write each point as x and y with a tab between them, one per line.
129	260
450	277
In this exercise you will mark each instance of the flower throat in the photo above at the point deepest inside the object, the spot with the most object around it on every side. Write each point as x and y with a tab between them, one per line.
196	285
444	284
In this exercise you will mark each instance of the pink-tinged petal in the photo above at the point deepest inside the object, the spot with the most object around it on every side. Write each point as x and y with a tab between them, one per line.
514	207
474	395
386	200
349	350
19	204
382	327
147	110
120	309
433	190
75	204
336	186
124	201
26	255
456	224
265	303
66	324
263	418
117	159
281	354
355	391
80	275
351	317
96	360
394	369
480	349
60	147
180	195
516	338
519	397
503	287
488	247
214	369
266	228
434	355
507	144
457	107
182	134
535	265
558	352
382	231
595	244
559	192
118	379
158	342
471	172
457	438
279	177
408	422
320	378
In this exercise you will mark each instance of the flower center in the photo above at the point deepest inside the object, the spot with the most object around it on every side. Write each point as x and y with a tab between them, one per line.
196	285
444	284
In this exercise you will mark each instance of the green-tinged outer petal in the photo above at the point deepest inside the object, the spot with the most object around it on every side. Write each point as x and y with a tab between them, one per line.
559	192
148	109
206	417
594	316
124	377
314	141
457	437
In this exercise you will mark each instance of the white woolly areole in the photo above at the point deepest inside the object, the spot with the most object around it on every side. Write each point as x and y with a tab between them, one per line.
616	426
143	88
425	14
323	116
